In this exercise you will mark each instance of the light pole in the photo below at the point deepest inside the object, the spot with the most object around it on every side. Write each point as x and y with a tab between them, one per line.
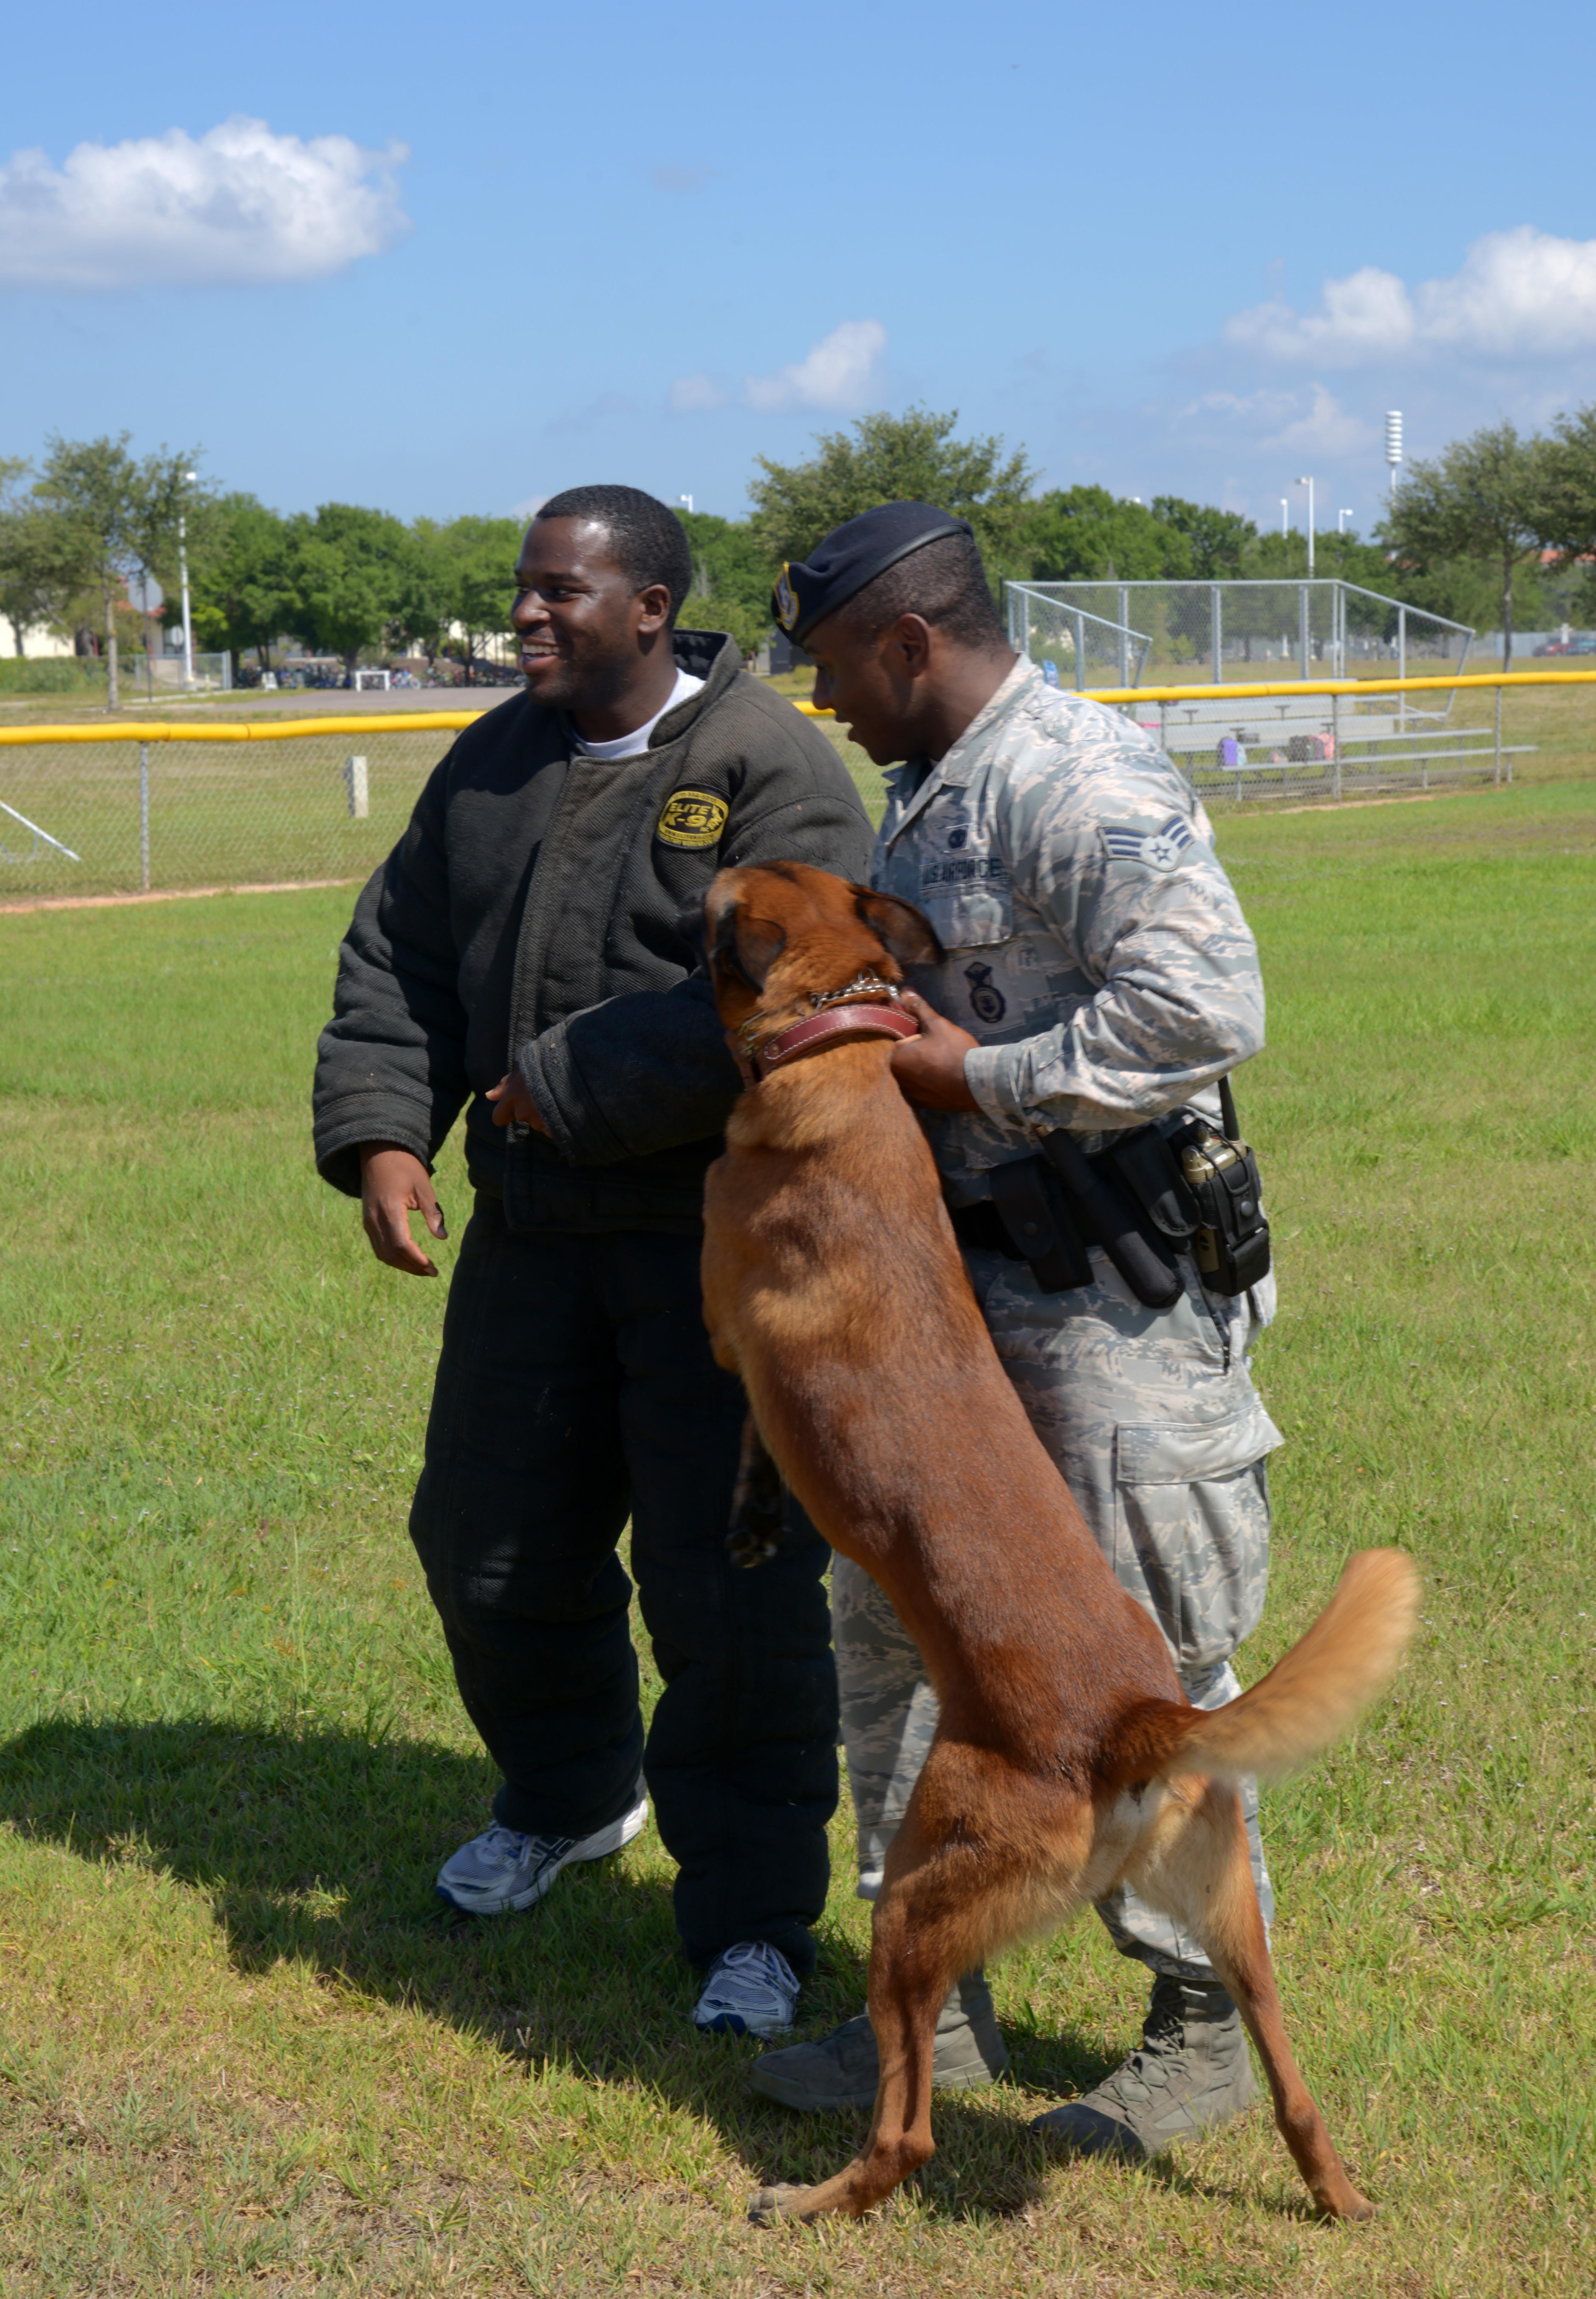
1394	445
1308	484
189	477
688	500
1341	515
1286	516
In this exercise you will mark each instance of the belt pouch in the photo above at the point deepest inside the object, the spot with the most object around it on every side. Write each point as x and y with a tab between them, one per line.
1147	1163
1041	1229
1107	1215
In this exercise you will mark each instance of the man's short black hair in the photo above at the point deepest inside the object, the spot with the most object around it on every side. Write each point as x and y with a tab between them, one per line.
944	582
647	541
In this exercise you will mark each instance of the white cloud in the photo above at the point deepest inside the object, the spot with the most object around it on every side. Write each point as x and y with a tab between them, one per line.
1311	422
696	395
237	204
1519	293
838	371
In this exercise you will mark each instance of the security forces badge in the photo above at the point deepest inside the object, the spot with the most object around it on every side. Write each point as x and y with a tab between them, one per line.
787	602
1159	849
693	818
987	1002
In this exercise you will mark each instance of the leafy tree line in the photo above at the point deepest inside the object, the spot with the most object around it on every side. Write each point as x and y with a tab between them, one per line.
1496	528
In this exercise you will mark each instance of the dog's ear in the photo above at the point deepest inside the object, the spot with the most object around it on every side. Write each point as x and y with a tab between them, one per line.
907	934
748	947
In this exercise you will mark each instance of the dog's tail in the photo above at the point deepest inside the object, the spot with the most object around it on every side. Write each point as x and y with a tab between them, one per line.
1310	1697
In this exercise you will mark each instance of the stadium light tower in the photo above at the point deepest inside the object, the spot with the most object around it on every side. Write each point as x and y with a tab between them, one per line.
1394	445
1308	484
688	500
1286	516
1340	516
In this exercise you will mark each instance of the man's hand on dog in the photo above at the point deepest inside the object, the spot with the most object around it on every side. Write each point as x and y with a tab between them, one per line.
394	1183
929	1069
513	1103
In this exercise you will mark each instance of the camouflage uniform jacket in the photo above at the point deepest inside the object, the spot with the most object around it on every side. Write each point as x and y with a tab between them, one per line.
1094	943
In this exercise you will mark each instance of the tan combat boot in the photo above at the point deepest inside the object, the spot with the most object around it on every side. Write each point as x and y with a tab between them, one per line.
1190	2073
842	2069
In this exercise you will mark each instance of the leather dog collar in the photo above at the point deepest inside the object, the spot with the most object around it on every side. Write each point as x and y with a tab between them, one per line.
839	1026
838	1020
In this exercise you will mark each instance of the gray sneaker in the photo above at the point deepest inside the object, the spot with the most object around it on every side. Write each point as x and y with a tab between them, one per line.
501	1869
1190	2073
844	2069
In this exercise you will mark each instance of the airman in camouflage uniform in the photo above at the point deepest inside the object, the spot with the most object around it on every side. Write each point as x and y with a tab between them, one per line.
1094	947
1096	950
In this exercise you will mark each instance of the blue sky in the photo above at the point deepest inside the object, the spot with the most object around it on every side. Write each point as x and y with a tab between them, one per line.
457	263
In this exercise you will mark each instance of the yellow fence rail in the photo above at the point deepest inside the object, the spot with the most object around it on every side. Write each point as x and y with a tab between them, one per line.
107	805
112	729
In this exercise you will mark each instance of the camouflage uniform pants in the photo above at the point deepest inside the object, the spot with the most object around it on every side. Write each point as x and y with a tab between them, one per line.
1153	1420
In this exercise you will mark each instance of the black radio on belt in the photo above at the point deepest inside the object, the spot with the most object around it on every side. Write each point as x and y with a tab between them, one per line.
1158	1190
1231	1244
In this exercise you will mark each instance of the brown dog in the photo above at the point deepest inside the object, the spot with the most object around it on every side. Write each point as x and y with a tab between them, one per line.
1067	1757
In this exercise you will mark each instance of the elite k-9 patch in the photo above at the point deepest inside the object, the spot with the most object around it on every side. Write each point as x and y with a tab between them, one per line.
1159	850
693	818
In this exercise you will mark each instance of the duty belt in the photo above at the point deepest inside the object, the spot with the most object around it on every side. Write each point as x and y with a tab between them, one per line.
1160	1190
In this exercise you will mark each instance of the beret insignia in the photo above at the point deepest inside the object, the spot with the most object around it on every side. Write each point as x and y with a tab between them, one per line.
693	818
787	604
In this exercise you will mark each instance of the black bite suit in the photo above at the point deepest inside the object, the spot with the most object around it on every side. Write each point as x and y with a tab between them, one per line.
528	916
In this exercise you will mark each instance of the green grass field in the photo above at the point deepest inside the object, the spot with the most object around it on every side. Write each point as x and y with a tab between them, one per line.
238	2051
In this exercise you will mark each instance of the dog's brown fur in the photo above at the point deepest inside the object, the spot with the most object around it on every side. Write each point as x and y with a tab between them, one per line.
1067	1758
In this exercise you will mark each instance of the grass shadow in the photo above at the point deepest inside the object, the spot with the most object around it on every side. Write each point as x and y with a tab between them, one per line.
321	1848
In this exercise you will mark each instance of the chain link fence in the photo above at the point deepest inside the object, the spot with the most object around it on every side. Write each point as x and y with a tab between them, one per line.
1324	629
110	818
1073	645
120	817
293	804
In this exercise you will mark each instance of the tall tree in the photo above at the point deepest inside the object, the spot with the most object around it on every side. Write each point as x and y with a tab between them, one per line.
891	459
33	589
1566	506
1481	499
477	560
113	515
243	589
732	576
1217	541
350	567
1085	535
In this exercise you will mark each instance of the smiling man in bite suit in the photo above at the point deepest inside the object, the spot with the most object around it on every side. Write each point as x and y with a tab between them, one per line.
518	955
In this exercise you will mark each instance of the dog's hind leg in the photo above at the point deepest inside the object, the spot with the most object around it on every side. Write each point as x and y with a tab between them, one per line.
1197	1870
983	1855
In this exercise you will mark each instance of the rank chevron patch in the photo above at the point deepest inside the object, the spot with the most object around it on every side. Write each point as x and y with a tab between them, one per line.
1159	850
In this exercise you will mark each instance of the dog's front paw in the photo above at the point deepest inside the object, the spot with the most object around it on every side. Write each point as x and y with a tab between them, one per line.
769	2205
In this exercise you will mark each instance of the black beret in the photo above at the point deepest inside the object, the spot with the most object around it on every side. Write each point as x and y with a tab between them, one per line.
852	555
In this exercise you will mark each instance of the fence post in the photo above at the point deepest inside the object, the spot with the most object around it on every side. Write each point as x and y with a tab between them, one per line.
1335	744
1402	668
1216	632
1125	660
359	789
143	815
1080	649
1302	629
1496	778
1163	726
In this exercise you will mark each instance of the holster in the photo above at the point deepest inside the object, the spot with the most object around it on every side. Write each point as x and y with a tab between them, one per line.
1160	1190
